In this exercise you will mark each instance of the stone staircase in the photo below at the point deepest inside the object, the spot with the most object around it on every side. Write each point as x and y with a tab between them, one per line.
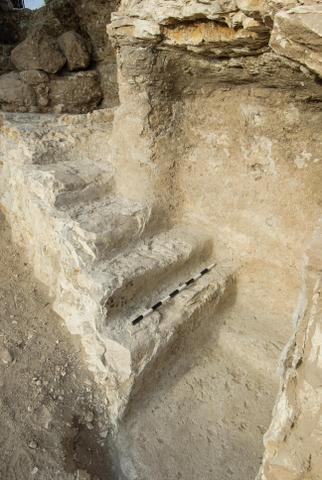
105	258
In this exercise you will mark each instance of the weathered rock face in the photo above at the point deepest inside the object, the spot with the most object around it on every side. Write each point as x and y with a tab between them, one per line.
218	130
220	39
80	92
206	89
38	52
293	442
14	26
61	36
297	34
215	27
75	50
15	94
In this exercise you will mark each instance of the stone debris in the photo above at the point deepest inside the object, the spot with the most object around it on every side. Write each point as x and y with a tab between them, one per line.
46	45
44	417
5	356
33	445
89	417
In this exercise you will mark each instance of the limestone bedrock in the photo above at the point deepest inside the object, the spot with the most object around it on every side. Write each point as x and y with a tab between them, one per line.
211	152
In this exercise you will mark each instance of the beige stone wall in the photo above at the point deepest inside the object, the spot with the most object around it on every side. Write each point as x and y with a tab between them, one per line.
250	170
224	121
293	442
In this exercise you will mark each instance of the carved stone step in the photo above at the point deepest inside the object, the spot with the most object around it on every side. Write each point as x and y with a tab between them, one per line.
118	352
104	225
65	184
133	351
134	279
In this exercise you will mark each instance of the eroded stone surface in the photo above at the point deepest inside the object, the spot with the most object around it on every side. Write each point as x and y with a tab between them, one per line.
78	92
297	34
15	94
293	442
217	29
80	248
75	50
195	142
209	122
38	52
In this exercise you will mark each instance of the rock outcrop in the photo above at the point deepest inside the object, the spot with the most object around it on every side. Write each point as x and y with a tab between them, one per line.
61	37
293	442
101	255
38	52
205	82
297	34
214	150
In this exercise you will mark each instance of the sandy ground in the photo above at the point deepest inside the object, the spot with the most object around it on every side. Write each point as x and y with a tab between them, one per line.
52	422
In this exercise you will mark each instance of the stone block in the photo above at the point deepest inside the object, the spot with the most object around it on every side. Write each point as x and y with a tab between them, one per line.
297	34
38	52
75	50
14	93
75	93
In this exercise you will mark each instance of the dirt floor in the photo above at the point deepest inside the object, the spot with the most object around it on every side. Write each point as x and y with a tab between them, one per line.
52	421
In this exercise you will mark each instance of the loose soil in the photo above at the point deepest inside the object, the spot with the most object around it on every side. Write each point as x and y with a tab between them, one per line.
52	416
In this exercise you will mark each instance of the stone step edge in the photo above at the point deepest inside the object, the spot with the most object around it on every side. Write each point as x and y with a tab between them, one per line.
145	343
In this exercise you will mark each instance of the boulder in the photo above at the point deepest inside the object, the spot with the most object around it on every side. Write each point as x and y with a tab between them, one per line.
297	34
15	95
75	93
38	51
75	50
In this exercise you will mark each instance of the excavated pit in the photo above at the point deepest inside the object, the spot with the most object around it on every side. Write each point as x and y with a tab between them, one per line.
212	154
